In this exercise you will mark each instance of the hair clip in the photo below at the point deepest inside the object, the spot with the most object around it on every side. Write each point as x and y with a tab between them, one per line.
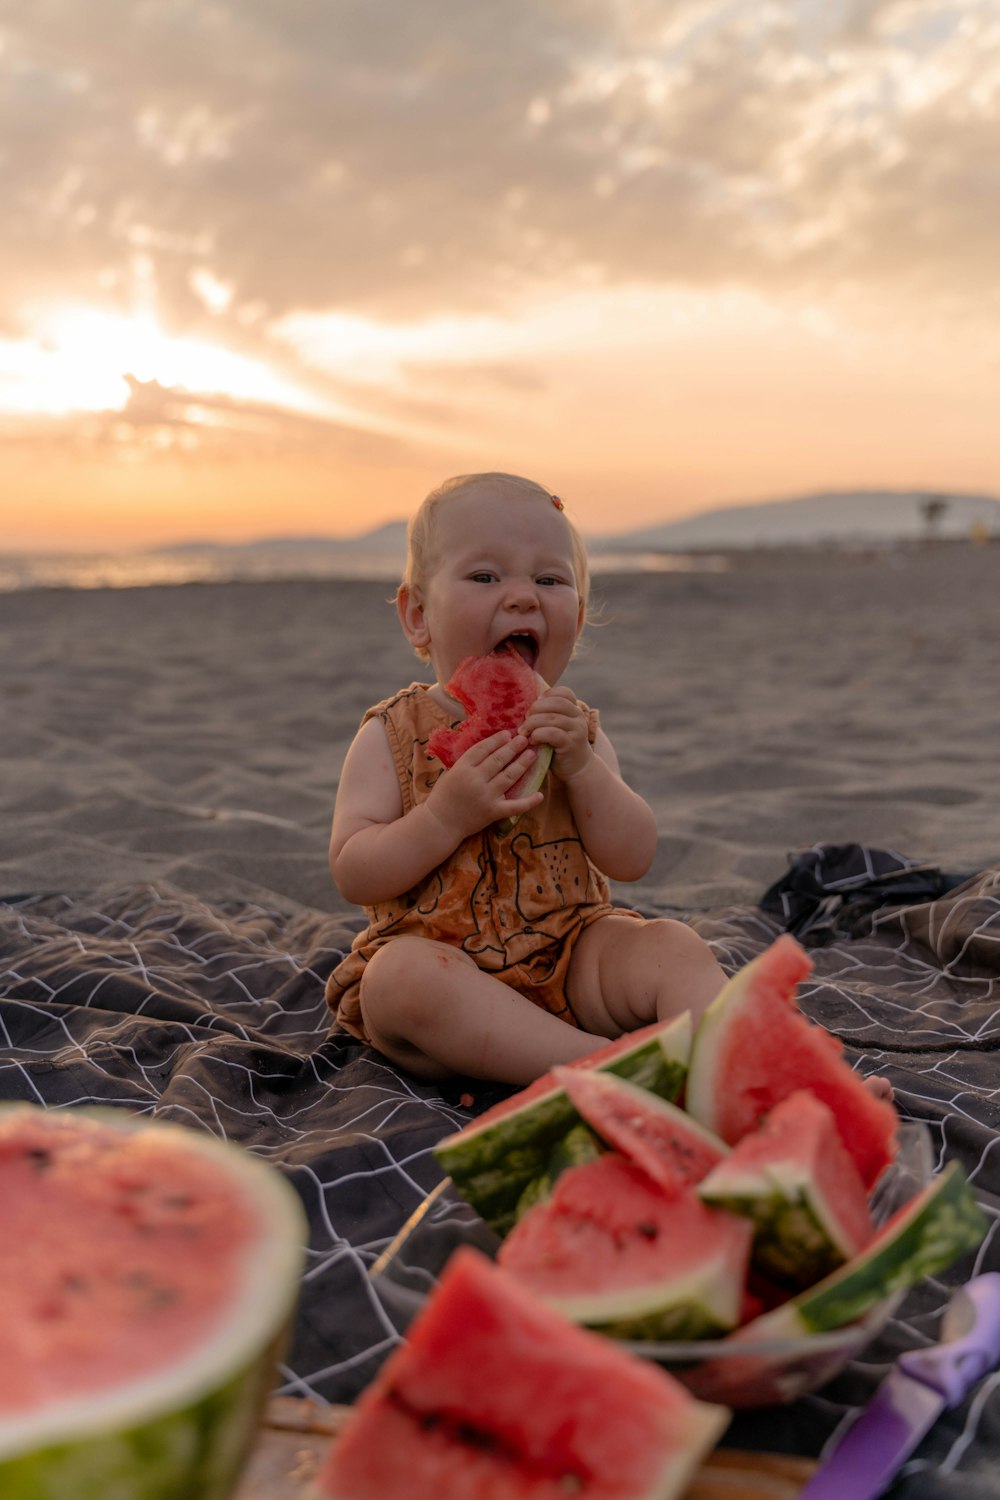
557	502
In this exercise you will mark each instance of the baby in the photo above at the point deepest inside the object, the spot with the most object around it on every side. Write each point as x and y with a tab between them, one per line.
495	952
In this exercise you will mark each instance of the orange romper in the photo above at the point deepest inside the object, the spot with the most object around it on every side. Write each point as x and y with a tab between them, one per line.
514	902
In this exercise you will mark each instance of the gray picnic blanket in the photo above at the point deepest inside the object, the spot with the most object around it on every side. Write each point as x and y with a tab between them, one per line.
212	1015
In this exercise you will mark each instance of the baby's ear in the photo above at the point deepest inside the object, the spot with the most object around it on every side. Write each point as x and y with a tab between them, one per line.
413	616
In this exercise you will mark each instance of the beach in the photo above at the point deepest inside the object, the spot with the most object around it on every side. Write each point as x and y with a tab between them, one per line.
193	735
170	759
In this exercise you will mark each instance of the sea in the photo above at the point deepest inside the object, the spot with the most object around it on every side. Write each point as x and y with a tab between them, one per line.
188	565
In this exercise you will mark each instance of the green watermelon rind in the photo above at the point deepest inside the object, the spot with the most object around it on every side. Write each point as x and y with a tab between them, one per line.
937	1226
198	1449
678	1308
577	1147
797	1238
532	781
491	1164
185	1430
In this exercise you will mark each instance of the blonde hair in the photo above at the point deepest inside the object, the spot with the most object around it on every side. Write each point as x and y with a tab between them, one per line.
420	531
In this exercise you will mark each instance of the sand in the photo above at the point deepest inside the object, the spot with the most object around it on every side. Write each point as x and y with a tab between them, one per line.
194	734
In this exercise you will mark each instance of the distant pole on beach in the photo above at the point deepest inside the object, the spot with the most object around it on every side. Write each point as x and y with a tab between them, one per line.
932	508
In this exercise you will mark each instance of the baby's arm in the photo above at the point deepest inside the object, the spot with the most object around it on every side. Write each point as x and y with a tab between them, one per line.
617	827
376	851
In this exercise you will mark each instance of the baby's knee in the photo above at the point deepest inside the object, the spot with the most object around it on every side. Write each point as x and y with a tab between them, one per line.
676	940
399	983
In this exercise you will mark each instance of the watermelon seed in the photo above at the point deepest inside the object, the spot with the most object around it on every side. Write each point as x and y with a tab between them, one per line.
50	1310
477	1437
160	1296
154	1296
40	1158
648	1231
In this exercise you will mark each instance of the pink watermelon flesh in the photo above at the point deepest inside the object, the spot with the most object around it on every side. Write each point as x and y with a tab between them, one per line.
802	1134
496	692
755	1047
496	1395
129	1265
669	1146
607	1228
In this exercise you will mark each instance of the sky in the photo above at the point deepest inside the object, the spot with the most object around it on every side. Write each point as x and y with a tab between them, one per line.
276	267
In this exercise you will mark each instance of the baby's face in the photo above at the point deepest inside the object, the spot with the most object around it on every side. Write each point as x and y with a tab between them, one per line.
503	572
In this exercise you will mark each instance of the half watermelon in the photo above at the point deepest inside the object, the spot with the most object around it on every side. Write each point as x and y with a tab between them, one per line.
754	1047
493	1394
150	1275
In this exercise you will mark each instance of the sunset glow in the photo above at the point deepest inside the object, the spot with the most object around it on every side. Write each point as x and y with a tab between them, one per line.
663	264
76	359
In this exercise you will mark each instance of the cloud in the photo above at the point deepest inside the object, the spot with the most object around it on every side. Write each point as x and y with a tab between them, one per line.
164	421
387	159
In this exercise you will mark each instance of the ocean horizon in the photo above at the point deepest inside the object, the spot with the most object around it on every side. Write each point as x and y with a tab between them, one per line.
264	564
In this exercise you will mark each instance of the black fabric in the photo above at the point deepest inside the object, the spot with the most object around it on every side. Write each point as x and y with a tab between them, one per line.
212	1014
834	889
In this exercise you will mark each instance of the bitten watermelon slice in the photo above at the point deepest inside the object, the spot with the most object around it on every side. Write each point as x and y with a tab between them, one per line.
149	1274
493	1159
794	1180
667	1144
495	1395
496	692
611	1250
754	1047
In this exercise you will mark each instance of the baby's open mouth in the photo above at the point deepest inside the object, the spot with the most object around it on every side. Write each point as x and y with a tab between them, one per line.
523	644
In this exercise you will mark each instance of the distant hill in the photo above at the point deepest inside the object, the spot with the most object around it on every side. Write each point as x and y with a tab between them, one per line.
839	517
375	554
836	518
387	541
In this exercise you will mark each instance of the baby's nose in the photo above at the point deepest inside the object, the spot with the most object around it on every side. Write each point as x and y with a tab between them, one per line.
522	594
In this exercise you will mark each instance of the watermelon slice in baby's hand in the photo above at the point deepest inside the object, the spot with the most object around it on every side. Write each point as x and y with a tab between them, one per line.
496	691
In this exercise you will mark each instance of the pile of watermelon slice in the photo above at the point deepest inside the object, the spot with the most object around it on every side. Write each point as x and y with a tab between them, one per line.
664	1188
746	1210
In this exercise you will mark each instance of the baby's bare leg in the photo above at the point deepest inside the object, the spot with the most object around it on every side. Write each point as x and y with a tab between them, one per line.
624	973
434	1013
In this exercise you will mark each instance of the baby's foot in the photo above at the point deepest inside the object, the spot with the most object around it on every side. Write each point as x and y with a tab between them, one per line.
880	1087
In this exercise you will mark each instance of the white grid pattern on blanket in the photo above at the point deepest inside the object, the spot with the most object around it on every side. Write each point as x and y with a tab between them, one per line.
214	1016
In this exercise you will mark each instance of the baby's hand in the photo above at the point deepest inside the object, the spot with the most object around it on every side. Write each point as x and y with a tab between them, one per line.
473	793
557	719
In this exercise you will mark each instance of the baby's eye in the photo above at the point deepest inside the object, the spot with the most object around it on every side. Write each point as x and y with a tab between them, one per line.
549	580
483	577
